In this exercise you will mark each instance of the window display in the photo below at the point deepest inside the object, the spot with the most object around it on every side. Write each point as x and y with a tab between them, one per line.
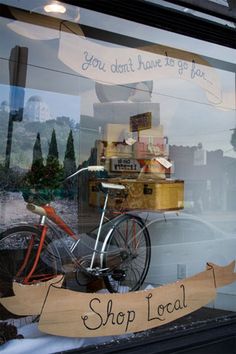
117	165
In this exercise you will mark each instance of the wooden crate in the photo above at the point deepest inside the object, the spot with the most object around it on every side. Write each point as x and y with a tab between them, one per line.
150	195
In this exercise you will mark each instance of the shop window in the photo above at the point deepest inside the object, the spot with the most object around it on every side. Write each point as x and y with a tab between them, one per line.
148	117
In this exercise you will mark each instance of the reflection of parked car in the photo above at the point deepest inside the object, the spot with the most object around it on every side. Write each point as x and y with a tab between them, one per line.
182	244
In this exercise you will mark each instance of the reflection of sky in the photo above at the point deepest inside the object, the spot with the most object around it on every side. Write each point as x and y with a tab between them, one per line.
57	103
191	119
186	114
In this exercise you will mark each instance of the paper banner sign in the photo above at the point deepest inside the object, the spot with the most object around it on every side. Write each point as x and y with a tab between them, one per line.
29	299
74	314
111	64
119	65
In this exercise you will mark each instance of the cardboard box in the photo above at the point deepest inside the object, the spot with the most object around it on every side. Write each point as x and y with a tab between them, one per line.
151	134
118	133
144	150
119	150
156	168
115	133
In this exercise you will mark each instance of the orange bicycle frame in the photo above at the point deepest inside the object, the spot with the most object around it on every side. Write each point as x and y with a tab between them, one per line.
51	214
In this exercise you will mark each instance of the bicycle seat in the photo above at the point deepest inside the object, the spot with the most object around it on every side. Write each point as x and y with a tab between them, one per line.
107	186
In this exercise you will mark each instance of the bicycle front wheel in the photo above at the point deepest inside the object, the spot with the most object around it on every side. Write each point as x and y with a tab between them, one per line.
127	255
18	247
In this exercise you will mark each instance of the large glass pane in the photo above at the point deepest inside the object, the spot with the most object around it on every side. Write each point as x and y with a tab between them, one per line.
155	110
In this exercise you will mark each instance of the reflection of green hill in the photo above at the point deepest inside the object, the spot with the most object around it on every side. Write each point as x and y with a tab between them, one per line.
24	135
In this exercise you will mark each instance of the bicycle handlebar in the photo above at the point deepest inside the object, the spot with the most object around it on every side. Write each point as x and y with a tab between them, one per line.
96	168
89	168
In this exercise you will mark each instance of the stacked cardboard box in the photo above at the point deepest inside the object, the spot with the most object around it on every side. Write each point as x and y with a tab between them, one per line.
142	154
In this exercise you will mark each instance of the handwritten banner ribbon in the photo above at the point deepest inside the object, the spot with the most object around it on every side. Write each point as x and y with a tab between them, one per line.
74	314
116	65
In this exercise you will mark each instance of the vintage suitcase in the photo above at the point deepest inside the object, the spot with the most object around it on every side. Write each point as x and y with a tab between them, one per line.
148	195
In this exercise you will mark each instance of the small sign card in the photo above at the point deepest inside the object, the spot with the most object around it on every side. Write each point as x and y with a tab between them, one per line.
125	165
141	122
164	162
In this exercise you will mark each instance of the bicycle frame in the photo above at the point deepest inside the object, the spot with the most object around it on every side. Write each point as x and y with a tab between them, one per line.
43	223
47	212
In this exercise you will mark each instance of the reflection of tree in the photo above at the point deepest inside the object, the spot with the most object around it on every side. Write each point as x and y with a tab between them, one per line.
46	171
69	160
53	169
37	151
36	173
45	179
69	165
21	154
53	150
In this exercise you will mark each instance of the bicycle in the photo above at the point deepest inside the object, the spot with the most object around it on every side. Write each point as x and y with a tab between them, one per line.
118	251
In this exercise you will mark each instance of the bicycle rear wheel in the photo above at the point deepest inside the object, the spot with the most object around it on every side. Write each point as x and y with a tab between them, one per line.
14	244
127	254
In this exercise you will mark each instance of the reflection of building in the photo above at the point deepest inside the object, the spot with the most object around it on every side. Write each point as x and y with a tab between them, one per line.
36	110
209	185
199	156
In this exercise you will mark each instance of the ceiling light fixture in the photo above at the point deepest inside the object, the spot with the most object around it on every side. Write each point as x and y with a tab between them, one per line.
55	7
37	29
